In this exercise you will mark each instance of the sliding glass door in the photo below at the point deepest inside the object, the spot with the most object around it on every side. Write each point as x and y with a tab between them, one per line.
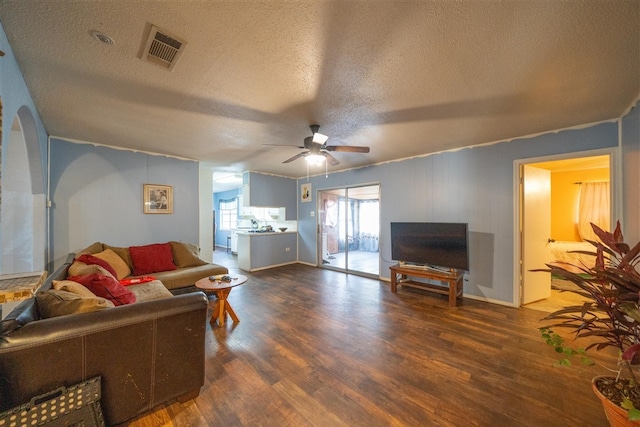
349	225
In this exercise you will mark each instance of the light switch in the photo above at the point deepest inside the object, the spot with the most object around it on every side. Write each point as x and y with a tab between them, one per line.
312	214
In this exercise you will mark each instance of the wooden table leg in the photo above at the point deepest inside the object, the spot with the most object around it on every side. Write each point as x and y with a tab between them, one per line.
232	313
222	308
394	282
216	310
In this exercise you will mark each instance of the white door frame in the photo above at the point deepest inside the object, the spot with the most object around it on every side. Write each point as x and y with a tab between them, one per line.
318	228
615	179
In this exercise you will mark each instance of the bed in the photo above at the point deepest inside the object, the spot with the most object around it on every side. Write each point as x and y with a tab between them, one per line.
561	252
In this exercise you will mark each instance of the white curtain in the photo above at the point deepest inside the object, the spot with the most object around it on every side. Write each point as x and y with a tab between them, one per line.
594	208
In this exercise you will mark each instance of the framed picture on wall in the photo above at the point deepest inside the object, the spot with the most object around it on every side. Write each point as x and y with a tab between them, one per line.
305	192
158	199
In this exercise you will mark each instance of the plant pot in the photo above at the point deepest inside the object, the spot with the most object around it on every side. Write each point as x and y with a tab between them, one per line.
616	415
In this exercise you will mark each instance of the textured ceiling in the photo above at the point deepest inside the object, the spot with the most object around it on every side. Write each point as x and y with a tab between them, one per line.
405	78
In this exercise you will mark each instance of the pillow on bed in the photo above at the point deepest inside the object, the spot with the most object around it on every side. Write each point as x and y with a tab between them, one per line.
151	258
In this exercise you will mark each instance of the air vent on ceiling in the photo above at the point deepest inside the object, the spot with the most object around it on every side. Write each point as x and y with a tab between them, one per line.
163	49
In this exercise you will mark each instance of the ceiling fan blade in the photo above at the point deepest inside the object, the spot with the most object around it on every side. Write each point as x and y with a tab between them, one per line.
332	160
297	156
283	145
347	148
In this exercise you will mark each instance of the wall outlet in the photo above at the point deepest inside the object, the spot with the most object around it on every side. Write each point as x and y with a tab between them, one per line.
312	214
287	249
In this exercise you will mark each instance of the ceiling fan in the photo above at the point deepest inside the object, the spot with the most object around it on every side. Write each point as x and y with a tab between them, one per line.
318	150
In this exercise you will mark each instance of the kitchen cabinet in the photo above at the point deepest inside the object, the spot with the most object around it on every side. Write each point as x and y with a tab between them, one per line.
270	191
246	196
259	251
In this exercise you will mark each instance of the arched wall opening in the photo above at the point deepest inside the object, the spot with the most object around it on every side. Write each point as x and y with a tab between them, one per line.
23	206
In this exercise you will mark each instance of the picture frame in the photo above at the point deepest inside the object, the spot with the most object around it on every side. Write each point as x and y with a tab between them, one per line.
305	192
157	199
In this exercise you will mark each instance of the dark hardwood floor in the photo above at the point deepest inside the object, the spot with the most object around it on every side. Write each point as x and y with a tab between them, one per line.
316	347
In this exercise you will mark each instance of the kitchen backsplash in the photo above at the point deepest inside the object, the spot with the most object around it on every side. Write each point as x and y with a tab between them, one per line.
252	217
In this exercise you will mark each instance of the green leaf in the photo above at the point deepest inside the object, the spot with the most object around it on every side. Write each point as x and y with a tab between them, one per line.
634	414
631	310
587	361
627	404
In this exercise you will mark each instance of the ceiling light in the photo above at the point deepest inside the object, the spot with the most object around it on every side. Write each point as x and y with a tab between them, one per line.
319	138
315	159
102	37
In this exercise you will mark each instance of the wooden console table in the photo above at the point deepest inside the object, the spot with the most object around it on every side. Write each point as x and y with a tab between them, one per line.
452	281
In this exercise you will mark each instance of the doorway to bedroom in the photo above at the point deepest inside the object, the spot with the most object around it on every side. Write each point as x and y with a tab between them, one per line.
558	199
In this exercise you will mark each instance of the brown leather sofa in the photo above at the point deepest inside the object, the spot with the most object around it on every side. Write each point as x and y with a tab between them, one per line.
146	353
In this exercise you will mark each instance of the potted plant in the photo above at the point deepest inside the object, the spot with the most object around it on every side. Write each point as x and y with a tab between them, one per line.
609	317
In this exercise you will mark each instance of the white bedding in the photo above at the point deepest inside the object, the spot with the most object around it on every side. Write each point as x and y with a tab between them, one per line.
560	252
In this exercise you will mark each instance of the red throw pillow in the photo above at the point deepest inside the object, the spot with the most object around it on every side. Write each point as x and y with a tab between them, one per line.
90	259
151	258
106	287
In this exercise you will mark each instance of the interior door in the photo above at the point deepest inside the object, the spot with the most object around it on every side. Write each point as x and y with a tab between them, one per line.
536	231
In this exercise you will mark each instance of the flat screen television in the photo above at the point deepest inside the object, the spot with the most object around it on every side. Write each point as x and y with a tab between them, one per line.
431	244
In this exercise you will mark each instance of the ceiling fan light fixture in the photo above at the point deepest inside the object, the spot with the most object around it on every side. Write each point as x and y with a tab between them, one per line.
315	159
319	138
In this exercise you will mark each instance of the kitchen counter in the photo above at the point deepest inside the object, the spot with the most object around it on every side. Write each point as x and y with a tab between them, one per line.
262	233
259	251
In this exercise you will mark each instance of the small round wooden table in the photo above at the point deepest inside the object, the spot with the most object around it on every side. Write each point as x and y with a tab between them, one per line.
222	290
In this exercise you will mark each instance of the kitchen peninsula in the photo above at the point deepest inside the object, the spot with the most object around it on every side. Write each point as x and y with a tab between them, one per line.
259	250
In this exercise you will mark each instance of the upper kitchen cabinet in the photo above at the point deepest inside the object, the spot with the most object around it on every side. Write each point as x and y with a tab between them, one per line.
270	191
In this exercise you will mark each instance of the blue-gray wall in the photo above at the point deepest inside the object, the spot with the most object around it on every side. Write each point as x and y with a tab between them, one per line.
473	185
97	197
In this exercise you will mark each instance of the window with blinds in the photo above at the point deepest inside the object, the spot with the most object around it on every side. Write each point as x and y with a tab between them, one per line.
228	213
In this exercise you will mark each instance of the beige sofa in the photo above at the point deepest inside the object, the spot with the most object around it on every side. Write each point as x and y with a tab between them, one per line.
189	266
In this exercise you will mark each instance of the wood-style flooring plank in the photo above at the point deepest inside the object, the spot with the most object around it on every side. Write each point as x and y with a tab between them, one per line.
316	347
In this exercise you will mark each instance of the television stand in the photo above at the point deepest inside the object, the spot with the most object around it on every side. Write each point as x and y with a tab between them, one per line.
452	281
